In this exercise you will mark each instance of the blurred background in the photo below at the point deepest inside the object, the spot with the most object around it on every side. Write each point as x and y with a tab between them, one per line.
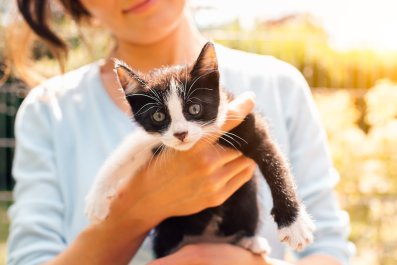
347	51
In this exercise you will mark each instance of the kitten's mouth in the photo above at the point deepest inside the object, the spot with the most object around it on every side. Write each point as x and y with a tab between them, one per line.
183	146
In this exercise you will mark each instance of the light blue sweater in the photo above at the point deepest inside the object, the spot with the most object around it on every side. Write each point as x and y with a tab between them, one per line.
67	127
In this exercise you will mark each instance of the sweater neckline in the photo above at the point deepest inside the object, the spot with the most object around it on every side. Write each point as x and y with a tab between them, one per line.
105	97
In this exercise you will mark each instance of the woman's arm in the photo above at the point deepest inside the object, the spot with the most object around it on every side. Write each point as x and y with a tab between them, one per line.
316	259
226	254
117	238
212	254
111	242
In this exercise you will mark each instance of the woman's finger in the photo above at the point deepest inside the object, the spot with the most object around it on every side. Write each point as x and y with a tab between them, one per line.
238	180
223	156
238	109
234	168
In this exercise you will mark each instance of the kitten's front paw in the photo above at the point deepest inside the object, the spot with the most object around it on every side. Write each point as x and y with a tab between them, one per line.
300	233
96	207
255	244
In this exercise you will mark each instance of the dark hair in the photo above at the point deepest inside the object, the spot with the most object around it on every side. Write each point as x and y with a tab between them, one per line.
36	12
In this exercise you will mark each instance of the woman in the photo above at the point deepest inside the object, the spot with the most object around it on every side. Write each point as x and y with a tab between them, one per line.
68	125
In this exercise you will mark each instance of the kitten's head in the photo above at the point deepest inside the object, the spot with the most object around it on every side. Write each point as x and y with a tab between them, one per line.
179	104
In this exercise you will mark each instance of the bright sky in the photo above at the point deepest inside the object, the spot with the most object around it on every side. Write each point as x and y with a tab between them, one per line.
350	23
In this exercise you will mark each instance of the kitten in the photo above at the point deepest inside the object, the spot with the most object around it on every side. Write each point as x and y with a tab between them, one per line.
175	107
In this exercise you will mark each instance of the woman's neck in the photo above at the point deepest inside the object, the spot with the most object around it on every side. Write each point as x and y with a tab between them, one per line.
180	46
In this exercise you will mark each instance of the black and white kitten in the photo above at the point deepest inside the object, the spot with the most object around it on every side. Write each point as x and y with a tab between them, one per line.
175	107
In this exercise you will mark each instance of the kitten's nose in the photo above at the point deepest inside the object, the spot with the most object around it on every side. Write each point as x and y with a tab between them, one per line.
180	135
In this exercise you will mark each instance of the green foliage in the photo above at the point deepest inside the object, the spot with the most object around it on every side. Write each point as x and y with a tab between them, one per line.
4	226
367	163
301	42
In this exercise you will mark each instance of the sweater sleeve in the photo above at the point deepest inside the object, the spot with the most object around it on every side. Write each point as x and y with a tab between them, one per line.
314	173
36	232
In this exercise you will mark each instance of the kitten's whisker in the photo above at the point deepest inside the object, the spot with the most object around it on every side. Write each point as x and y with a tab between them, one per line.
210	72
155	153
148	110
197	99
144	95
151	103
231	138
153	91
211	144
159	156
198	88
208	122
220	146
228	142
221	135
235	135
212	137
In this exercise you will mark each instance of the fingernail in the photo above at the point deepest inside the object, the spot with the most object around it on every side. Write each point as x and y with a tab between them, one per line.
248	95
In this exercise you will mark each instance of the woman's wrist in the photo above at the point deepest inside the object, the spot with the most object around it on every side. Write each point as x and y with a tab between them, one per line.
135	206
102	243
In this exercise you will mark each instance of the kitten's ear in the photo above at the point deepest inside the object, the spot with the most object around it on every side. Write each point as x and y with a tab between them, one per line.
206	61
129	80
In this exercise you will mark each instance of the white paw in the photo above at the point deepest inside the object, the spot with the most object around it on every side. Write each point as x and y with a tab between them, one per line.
97	206
300	233
255	244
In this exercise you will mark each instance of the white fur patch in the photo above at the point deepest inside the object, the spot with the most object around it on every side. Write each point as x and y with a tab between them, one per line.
124	162
174	104
179	123
255	244
300	233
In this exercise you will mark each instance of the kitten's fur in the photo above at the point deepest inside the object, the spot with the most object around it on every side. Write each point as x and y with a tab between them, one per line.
172	95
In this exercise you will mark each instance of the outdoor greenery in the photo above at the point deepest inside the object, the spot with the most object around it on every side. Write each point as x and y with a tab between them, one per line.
361	121
3	231
366	159
300	41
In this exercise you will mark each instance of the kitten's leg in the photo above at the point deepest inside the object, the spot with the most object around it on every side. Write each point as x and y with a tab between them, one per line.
129	156
294	224
300	233
255	244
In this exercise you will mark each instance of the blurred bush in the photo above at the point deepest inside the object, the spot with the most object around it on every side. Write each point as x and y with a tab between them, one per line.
301	41
366	158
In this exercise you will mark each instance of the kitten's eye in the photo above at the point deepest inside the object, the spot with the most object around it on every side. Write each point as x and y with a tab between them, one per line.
195	109
158	116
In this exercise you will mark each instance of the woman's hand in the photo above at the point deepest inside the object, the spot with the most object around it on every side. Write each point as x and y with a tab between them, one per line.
183	183
212	254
